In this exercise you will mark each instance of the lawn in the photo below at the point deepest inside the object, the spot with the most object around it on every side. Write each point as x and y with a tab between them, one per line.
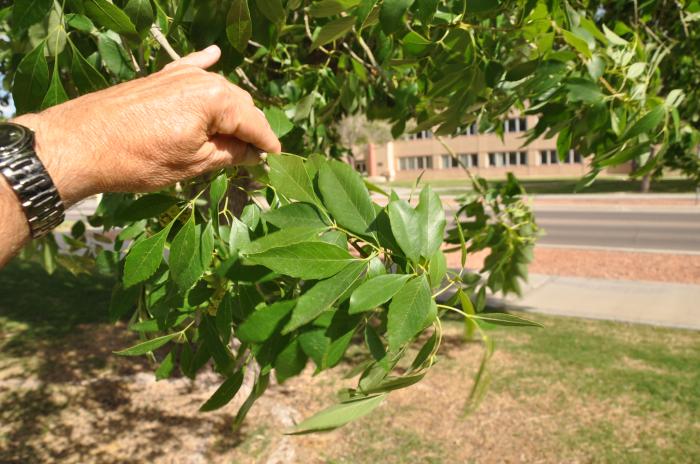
576	391
566	185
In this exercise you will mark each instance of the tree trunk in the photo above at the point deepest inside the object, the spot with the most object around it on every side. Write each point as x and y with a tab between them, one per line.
646	184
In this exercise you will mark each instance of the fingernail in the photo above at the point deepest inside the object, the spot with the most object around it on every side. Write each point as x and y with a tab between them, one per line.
212	50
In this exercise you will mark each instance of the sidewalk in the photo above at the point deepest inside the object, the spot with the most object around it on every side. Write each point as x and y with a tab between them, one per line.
655	303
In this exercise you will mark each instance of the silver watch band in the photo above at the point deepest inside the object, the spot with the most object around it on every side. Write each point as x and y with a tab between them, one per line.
27	176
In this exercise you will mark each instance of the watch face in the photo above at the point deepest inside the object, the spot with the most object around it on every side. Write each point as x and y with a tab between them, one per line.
11	135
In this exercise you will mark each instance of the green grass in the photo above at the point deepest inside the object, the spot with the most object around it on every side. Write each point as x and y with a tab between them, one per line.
566	185
578	390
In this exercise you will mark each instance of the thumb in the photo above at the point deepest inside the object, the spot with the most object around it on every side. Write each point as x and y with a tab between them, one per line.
201	59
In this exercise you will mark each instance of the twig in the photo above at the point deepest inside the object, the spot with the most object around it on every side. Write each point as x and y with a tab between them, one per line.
307	28
355	55
163	41
245	79
680	14
368	52
134	63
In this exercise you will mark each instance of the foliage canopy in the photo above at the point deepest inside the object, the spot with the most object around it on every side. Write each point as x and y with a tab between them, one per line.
312	261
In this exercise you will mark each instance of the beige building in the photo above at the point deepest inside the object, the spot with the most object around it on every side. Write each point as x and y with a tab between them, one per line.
485	154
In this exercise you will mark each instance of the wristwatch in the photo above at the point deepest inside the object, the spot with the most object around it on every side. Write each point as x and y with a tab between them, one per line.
27	176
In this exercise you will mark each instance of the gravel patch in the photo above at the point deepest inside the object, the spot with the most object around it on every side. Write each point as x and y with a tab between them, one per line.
605	264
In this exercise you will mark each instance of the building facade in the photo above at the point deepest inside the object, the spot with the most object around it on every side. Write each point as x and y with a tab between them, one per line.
485	154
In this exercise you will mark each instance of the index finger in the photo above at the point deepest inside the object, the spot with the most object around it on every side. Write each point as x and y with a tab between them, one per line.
234	116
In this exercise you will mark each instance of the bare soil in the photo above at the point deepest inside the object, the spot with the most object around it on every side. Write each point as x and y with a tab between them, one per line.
605	264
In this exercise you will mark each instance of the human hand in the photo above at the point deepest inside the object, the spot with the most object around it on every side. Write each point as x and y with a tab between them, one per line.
151	132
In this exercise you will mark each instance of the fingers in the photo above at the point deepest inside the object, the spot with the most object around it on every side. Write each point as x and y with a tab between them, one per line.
229	151
235	115
202	59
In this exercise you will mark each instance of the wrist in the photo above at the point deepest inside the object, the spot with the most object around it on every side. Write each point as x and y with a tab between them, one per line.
56	150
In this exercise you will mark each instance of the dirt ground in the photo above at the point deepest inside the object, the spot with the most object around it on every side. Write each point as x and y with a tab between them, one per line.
605	264
77	403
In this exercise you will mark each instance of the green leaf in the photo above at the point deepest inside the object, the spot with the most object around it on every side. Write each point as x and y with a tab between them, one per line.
114	56
310	260
289	177
224	394
31	81
346	197
338	415
584	90
614	38
206	247
636	70
647	124
577	43
166	367
147	206
272	10
261	324
148	346
332	31
294	215
79	22
185	265
505	319
415	43
315	343
279	122
437	268
28	12
219	352
217	190
240	236
326	293
408	312
56	39
376	291
141	14
431	218
56	93
304	106
467	307
406	227
326	8
391	14
110	16
87	79
427	9
290	362
239	28
145	257
285	237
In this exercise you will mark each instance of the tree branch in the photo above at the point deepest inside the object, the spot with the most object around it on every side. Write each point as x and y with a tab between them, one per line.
163	41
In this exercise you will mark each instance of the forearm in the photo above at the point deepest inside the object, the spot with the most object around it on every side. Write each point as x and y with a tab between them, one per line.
14	229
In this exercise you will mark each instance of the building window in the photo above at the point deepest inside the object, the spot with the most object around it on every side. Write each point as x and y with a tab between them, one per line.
551	157
511	158
408	163
360	166
471	129
420	135
470	160
514	125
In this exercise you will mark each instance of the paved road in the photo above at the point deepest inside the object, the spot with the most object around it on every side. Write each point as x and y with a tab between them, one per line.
629	229
651	229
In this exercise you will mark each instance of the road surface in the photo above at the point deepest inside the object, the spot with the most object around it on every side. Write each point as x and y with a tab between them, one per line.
624	229
670	229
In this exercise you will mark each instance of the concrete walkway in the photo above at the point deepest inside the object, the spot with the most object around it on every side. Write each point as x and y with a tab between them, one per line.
655	303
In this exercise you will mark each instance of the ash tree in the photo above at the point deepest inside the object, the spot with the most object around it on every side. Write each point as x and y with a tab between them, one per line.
260	272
